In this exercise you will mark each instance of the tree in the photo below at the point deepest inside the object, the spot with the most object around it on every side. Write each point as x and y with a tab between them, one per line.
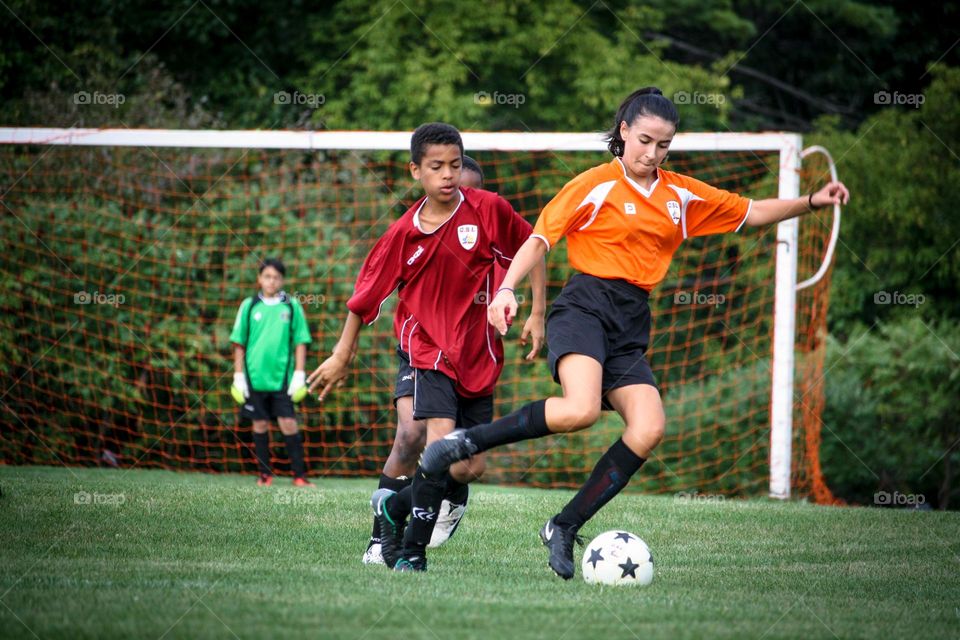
900	234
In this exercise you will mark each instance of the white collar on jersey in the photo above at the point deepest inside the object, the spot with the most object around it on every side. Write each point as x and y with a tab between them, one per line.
416	215
646	193
277	299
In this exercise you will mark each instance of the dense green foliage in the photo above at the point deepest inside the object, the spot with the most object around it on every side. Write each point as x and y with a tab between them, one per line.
891	407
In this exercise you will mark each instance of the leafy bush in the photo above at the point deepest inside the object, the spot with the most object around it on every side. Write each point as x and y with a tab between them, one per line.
892	401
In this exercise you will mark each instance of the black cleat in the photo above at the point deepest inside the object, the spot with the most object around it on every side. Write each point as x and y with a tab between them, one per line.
413	563
391	533
453	447
559	540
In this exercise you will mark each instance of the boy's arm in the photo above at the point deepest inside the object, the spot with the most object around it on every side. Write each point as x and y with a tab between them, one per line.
300	357
379	277
239	351
240	390
538	286
334	369
296	388
533	327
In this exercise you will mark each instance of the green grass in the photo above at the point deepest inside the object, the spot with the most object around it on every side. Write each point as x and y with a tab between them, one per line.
200	556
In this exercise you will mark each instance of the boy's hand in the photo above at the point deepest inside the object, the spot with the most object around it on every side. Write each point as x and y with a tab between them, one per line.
533	328
298	386
332	372
239	389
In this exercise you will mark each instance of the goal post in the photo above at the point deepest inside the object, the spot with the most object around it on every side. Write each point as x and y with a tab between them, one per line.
772	159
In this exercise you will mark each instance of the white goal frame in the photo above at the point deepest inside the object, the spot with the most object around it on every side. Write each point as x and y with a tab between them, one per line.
787	145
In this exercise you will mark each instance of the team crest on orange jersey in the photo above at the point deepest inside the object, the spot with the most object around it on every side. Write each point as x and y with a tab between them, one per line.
468	235
673	208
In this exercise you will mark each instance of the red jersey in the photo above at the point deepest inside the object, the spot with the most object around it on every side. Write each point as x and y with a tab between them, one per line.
401	316
444	280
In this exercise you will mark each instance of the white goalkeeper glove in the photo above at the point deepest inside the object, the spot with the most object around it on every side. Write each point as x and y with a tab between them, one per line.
298	386
239	390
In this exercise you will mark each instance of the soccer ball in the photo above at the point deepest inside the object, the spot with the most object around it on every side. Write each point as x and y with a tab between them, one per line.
617	558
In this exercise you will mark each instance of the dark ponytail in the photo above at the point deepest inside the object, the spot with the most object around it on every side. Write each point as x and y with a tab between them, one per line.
648	101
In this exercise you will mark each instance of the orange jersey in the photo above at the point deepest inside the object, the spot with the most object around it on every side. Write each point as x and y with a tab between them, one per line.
616	229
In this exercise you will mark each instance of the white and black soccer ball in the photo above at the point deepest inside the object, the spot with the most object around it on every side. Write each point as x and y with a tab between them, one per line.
617	558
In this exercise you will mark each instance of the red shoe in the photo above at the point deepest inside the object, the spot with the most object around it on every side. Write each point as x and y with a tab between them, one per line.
264	480
302	482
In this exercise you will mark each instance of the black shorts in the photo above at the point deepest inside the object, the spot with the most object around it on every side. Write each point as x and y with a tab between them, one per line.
608	320
435	396
268	405
403	388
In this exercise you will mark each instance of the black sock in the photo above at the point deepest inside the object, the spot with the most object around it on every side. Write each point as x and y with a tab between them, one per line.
457	492
427	496
261	448
394	484
609	477
295	452
398	507
525	424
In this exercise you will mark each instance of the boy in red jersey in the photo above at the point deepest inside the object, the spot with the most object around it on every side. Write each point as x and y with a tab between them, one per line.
411	434
439	257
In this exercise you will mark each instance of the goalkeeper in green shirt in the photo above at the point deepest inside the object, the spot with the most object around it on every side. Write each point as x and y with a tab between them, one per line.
270	338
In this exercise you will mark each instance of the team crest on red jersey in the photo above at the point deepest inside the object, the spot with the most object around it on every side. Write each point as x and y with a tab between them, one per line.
673	208
467	233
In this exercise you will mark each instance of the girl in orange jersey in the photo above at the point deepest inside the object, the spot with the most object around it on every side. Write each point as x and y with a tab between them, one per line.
623	221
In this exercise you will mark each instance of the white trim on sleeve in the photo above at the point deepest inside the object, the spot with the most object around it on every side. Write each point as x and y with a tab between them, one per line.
545	241
744	221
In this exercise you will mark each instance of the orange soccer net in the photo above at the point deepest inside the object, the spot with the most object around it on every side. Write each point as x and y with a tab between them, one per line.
124	268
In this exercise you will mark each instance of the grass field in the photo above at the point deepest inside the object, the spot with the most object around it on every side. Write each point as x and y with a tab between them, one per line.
165	555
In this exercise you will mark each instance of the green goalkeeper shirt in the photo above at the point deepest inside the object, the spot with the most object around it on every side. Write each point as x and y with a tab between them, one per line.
270	333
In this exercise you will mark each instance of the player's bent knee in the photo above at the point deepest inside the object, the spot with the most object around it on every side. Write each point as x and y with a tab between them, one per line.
644	437
582	416
655	433
572	414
